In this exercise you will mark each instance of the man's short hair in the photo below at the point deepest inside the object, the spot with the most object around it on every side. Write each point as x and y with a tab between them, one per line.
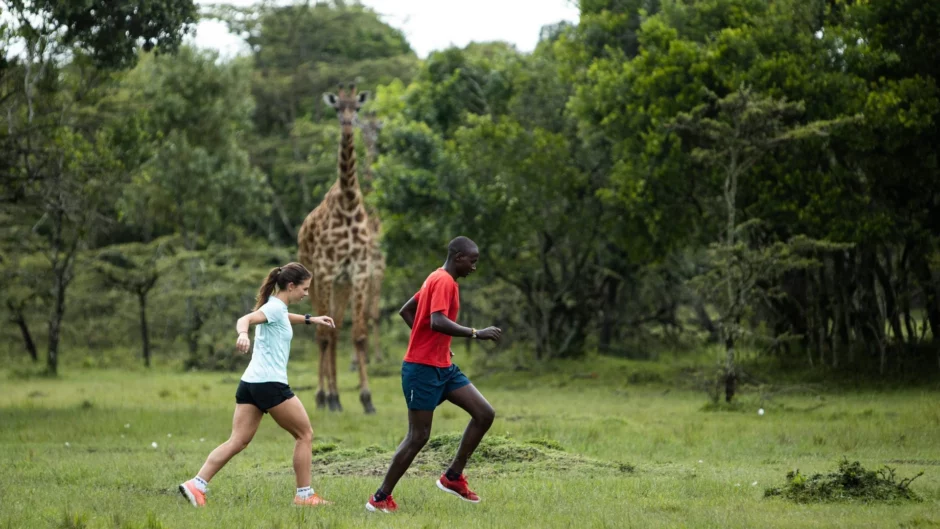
462	245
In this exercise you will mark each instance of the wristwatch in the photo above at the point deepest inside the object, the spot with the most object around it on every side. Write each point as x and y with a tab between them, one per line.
473	332
307	319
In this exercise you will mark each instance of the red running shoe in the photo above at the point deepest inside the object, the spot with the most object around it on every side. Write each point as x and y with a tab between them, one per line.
457	487
387	505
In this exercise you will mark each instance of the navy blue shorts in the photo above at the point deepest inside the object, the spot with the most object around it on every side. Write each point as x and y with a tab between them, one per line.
426	387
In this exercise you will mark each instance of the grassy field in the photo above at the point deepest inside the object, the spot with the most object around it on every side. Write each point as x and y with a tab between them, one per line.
604	444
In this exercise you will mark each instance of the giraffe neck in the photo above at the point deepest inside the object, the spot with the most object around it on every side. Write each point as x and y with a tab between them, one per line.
367	177
350	194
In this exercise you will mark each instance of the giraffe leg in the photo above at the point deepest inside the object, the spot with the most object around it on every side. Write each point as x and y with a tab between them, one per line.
360	335
373	302
375	309
338	304
324	336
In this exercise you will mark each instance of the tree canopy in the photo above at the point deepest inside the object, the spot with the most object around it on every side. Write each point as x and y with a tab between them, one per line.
661	174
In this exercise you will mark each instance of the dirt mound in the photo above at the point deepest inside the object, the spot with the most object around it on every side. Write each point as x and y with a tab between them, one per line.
495	455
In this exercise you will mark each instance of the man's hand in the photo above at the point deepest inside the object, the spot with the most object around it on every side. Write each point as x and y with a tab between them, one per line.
489	333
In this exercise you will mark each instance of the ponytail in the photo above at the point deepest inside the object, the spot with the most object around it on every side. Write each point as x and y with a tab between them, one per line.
280	277
267	288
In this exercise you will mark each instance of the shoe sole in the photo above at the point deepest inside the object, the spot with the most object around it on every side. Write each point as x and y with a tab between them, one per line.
370	508
188	495
448	491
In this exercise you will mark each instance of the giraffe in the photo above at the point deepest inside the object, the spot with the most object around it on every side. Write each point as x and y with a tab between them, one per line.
335	244
370	127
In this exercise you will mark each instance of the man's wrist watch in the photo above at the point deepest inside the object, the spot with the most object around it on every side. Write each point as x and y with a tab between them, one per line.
473	332
306	319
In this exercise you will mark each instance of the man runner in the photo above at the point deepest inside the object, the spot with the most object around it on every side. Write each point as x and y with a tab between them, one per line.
428	377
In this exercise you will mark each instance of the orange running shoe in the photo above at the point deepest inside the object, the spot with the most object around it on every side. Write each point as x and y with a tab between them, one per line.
387	505
311	501
457	487
191	492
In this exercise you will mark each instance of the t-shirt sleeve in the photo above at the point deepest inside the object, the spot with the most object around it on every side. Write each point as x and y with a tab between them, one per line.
442	295
272	312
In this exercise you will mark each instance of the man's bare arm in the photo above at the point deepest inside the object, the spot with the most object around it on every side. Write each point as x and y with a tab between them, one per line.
444	325
408	311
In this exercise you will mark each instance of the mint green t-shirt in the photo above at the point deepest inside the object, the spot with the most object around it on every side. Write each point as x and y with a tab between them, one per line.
272	345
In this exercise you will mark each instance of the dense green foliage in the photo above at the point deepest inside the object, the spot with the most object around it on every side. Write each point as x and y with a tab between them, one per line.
760	174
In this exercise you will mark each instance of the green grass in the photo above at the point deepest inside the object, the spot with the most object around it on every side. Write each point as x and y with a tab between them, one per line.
603	444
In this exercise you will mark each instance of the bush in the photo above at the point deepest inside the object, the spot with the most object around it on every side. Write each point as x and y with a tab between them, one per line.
851	482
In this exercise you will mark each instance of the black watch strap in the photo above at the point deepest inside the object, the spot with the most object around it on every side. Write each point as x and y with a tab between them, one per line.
307	319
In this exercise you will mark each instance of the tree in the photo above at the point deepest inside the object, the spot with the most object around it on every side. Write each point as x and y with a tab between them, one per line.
195	178
21	288
109	32
490	176
61	167
730	137
135	268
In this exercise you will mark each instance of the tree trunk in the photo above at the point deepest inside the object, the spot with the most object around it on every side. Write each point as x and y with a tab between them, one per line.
909	321
904	301
20	320
840	335
55	322
844	306
818	311
280	209
931	293
192	312
607	317
144	333
60	255
884	277
706	321
731	376
730	318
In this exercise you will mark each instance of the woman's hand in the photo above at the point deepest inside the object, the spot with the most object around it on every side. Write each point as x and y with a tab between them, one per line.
243	343
323	320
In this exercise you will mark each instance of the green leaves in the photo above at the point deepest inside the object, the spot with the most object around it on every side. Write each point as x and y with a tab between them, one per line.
110	32
195	175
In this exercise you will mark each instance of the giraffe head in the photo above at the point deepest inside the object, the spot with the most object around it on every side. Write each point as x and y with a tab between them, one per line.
346	104
371	127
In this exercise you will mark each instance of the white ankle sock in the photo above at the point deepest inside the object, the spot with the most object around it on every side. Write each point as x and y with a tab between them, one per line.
304	492
201	484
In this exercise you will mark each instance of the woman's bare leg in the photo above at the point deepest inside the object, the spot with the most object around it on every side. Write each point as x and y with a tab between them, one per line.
292	416
244	425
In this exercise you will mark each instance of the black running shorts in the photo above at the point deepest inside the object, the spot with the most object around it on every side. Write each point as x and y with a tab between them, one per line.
264	395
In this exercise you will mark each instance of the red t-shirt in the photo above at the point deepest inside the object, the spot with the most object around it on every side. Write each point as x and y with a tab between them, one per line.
439	293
